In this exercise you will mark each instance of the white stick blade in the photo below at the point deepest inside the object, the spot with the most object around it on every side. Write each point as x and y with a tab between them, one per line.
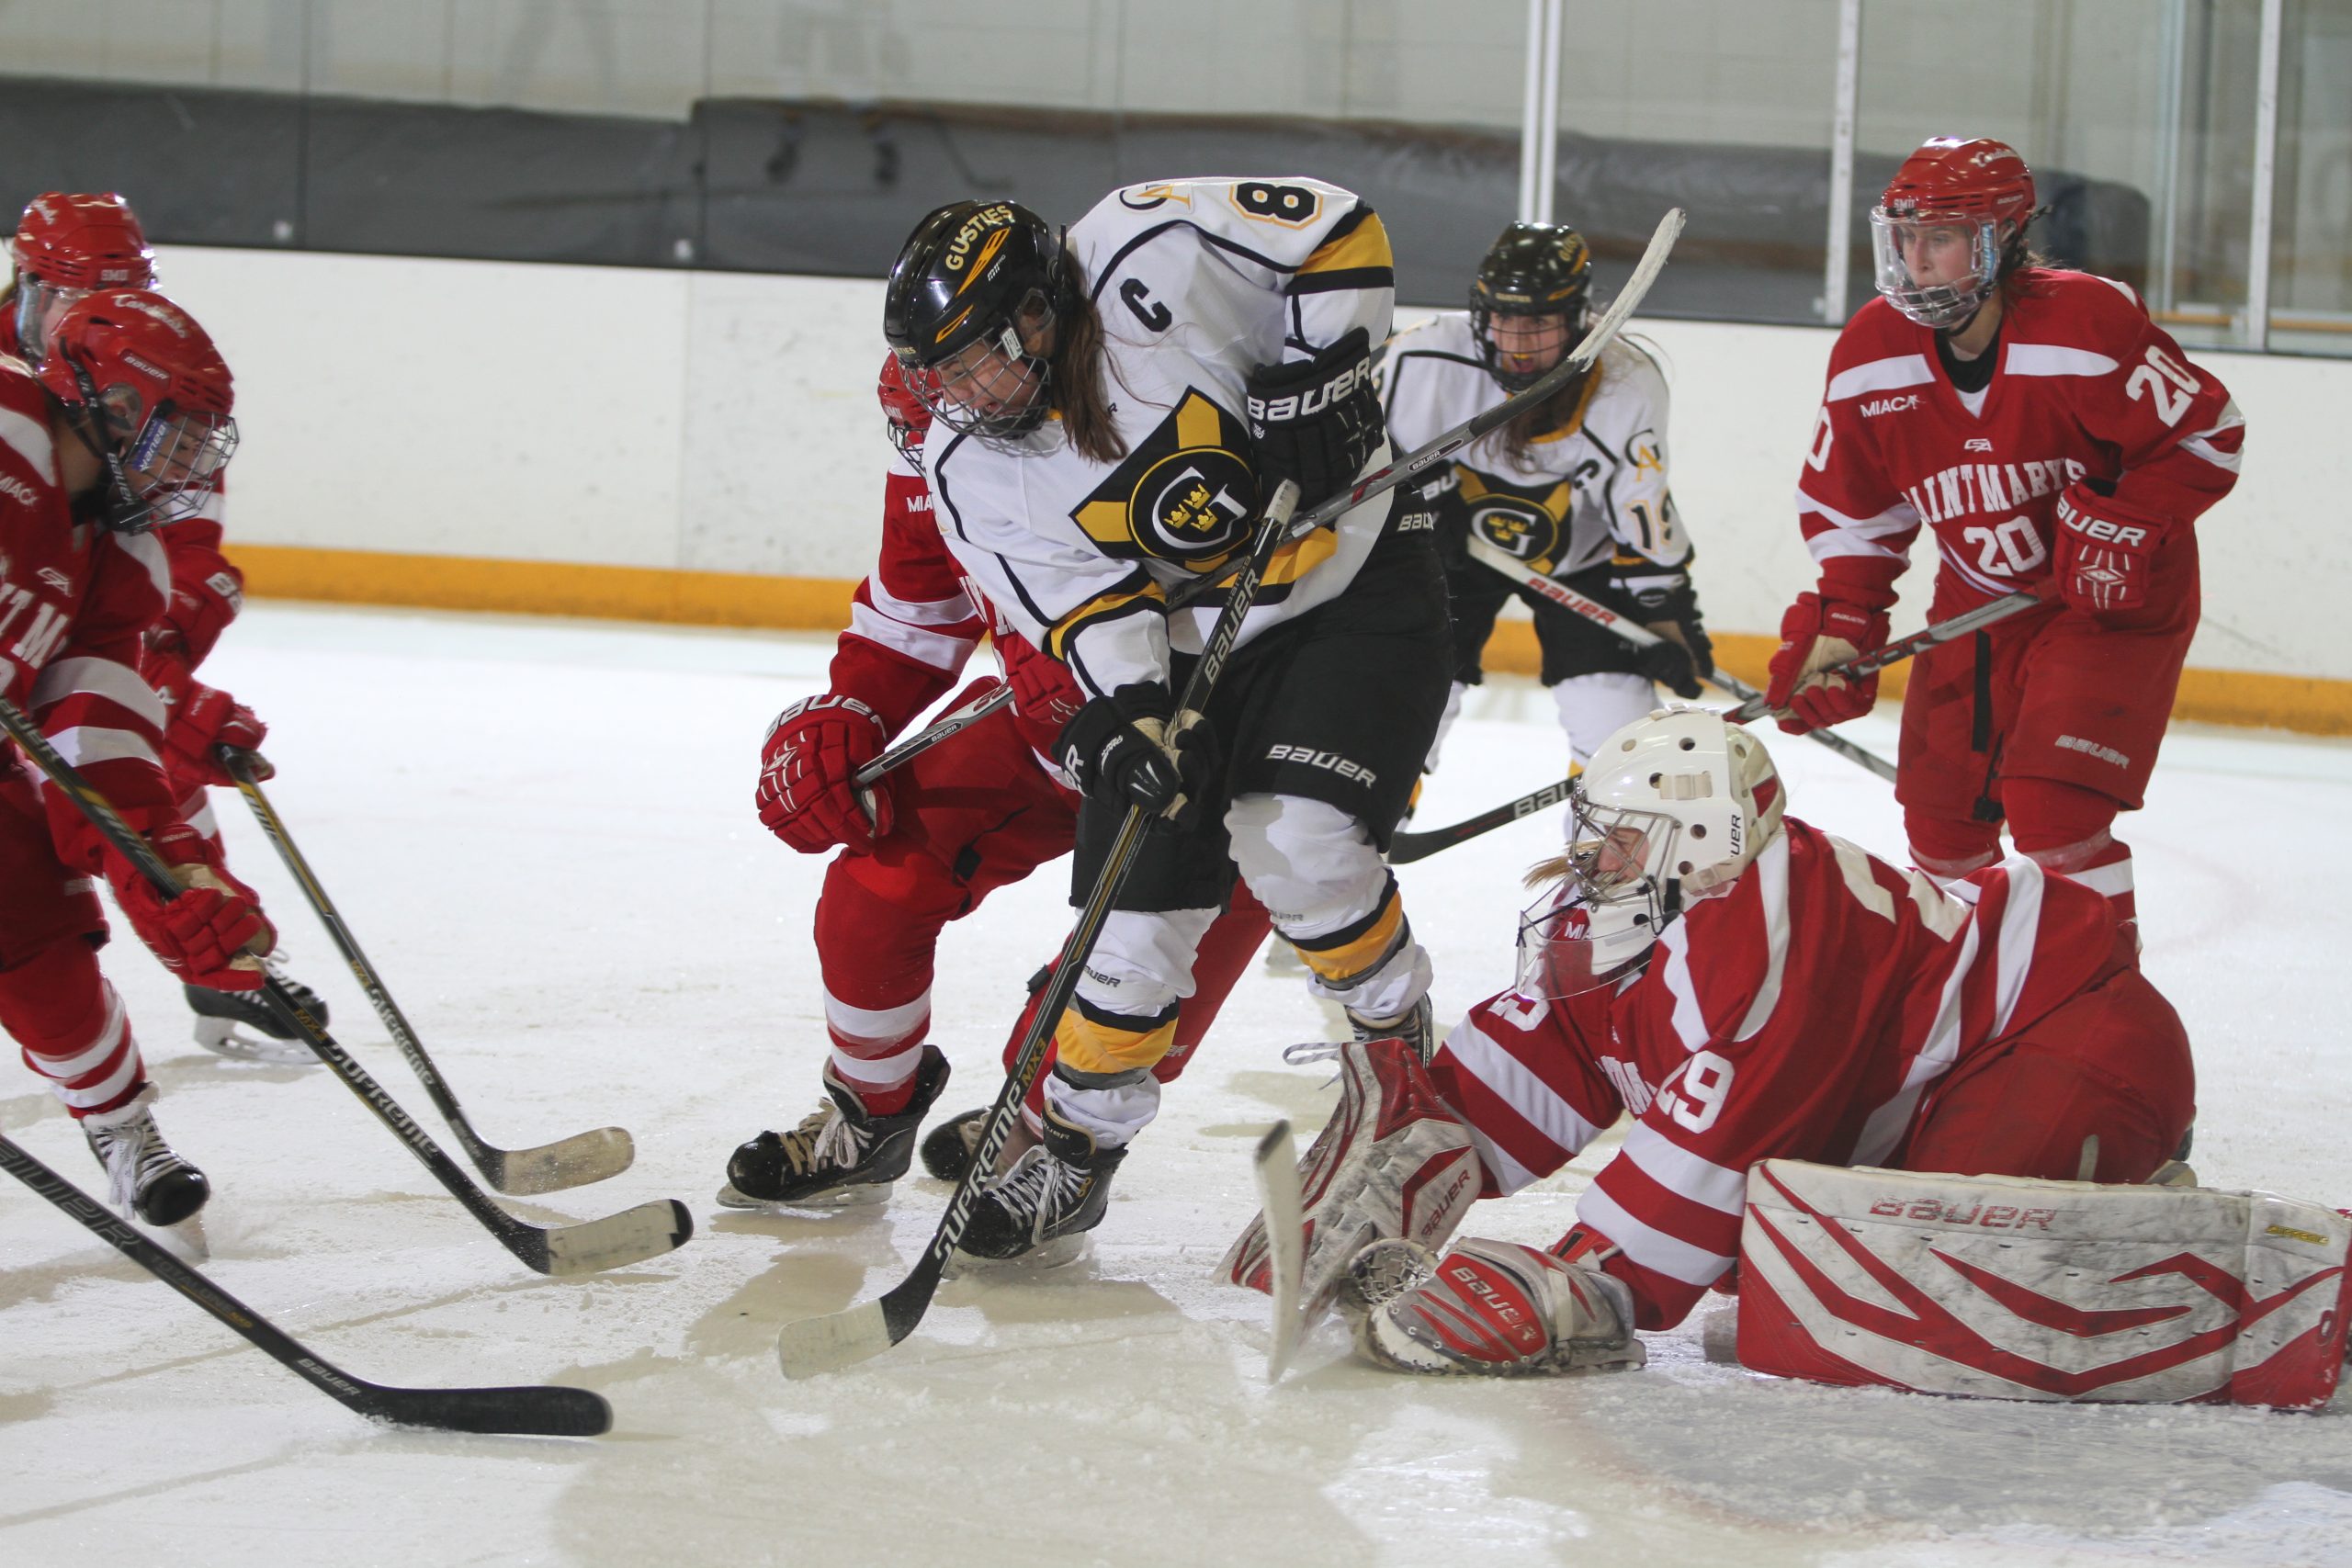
838	1339
1276	1166
631	1237
572	1162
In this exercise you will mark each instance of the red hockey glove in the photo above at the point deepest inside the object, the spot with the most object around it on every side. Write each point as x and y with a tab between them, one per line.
1043	691
2101	550
204	720
213	933
1815	633
808	794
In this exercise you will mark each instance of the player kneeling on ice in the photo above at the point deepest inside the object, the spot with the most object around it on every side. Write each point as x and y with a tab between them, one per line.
118	431
1749	990
1110	407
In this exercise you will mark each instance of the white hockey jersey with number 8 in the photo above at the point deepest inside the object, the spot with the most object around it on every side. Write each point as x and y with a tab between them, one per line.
1196	282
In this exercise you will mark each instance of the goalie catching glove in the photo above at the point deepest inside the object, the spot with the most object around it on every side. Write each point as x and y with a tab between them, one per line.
1132	748
1487	1308
1317	421
213	933
807	793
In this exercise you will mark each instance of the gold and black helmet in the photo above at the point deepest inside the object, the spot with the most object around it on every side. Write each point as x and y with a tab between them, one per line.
976	284
1532	269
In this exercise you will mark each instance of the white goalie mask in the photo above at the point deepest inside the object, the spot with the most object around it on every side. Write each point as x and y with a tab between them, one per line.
1672	807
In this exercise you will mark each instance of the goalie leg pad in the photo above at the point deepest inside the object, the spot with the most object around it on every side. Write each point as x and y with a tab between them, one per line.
2002	1287
1392	1161
1488	1309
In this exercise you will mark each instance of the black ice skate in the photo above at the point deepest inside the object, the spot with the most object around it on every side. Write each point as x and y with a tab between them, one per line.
1417	1027
218	1013
840	1154
144	1179
1041	1209
947	1149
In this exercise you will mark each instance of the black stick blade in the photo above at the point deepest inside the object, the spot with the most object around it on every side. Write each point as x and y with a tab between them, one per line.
542	1412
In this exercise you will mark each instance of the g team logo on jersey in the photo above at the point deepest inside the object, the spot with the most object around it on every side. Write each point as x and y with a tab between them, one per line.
1527	525
1185	494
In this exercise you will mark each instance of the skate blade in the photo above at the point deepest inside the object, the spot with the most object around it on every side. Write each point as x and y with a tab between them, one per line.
189	1239
219	1037
1058	1253
862	1196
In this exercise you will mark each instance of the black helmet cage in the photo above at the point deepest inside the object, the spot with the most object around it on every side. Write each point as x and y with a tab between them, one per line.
1532	269
969	279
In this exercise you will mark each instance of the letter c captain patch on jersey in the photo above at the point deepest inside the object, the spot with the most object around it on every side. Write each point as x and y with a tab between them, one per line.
1185	494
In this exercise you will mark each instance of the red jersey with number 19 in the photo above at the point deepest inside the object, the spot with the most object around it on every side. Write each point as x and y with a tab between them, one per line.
1802	1014
2085	387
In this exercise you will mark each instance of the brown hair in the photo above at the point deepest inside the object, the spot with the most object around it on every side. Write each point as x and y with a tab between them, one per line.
1079	394
1546	416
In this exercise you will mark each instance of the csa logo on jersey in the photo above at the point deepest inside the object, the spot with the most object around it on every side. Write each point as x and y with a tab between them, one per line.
1527	525
1183	495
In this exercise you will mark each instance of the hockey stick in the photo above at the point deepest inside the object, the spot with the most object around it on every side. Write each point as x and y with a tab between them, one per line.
544	1411
1488	554
955	721
1406	848
842	1338
1918	642
572	1162
1596	338
1274	1166
631	1237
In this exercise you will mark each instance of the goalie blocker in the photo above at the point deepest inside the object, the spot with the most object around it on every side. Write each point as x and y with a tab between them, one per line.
2005	1288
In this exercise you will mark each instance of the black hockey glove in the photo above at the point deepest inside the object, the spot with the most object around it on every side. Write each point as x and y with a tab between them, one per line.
1663	600
1121	752
1315	421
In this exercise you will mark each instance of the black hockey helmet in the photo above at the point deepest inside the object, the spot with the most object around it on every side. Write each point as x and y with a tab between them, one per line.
1533	270
976	284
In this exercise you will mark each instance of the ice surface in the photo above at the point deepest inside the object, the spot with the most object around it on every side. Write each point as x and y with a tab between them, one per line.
542	833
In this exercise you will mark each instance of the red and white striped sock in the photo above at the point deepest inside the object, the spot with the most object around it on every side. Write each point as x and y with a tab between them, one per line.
876	1050
72	1026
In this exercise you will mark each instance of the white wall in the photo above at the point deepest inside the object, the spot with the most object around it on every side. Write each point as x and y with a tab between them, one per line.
725	423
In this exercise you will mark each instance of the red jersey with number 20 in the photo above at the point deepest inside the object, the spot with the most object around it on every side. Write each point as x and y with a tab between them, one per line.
1800	1014
2085	387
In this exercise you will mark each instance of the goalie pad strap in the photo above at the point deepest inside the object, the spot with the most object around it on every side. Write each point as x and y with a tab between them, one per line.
2005	1287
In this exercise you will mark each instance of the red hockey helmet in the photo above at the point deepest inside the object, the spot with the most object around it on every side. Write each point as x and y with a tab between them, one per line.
1953	216
68	244
905	409
152	398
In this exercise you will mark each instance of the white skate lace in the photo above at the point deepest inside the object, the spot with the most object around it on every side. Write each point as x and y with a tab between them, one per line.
824	1135
135	1153
1040	1184
1312	1051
